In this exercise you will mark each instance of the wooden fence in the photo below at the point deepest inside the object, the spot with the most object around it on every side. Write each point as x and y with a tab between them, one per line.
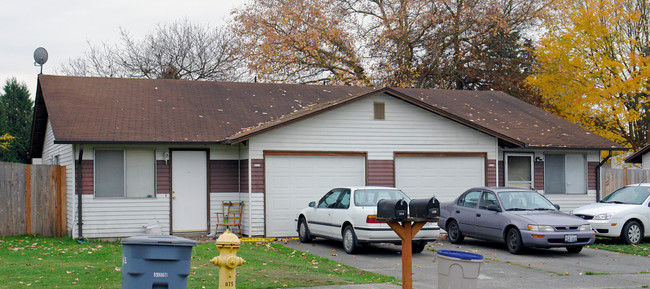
33	200
616	178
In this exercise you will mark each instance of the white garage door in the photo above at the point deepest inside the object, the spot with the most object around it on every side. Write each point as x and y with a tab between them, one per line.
443	177
294	181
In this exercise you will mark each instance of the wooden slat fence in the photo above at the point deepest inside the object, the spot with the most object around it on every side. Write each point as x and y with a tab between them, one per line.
33	200
616	178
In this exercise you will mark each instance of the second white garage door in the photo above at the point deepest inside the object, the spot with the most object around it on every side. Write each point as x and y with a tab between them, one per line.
443	177
294	181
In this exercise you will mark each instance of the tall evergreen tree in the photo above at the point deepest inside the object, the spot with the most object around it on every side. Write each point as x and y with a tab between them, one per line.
16	109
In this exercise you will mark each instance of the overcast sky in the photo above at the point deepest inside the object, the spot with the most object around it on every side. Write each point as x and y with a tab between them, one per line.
65	27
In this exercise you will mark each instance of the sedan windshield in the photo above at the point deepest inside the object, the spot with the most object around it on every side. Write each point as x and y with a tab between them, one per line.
525	201
371	197
628	195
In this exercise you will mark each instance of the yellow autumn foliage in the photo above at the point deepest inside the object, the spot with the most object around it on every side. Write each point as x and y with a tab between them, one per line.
5	140
593	67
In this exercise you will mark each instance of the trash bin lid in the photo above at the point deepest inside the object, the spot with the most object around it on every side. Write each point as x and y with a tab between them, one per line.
460	255
158	240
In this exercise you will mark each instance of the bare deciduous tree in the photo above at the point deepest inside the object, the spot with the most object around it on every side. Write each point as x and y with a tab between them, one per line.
179	50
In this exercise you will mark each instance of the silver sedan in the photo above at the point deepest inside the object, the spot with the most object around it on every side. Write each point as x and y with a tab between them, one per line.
519	218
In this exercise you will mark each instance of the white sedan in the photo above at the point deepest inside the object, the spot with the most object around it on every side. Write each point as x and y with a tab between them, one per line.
349	214
625	213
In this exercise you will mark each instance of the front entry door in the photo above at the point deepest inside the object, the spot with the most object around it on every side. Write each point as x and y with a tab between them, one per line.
189	191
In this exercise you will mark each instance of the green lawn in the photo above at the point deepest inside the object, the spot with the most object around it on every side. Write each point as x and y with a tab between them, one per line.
38	262
616	245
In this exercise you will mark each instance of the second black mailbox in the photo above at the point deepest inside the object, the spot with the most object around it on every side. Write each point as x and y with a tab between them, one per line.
424	208
392	209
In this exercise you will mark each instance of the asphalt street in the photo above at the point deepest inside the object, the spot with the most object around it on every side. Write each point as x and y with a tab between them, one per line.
536	268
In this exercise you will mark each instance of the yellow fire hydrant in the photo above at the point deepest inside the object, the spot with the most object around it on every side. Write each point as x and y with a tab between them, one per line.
228	244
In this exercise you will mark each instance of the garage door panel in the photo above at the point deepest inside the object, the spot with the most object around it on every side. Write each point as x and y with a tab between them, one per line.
294	181
444	177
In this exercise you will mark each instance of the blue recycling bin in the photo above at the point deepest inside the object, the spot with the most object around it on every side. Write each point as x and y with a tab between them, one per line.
156	262
458	269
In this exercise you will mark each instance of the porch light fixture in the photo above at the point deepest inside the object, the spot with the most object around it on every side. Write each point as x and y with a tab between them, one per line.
165	157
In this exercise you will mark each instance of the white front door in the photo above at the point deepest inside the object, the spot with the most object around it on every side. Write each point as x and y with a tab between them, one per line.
189	191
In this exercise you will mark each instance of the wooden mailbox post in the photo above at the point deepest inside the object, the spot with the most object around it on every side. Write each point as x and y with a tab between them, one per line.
406	229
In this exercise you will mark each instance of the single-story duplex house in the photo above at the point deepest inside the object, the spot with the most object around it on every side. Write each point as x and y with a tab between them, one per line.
143	151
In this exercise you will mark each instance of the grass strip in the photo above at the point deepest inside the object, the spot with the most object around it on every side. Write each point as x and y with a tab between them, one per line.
39	262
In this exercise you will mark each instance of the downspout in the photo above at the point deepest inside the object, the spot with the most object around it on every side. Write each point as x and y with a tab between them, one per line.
250	193
239	168
598	178
79	193
496	160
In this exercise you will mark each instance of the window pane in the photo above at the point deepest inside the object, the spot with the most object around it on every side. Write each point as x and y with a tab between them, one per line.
109	173
329	200
488	199
380	110
519	168
140	173
519	172
469	200
554	174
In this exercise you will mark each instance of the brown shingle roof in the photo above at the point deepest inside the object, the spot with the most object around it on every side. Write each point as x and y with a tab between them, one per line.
113	110
511	117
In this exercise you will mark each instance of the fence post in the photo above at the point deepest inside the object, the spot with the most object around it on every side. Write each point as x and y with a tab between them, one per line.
61	193
28	199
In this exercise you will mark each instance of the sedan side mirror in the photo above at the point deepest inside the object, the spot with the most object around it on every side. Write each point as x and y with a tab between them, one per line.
556	206
312	204
493	207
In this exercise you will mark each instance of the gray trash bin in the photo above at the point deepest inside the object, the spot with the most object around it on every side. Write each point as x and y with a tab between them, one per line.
156	262
458	269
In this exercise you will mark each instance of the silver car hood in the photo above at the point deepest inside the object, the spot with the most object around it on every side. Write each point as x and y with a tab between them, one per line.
553	218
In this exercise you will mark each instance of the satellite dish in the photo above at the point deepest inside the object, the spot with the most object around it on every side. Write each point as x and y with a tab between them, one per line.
40	57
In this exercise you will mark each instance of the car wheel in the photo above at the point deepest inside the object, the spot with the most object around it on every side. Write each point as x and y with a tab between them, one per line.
350	240
303	231
513	240
418	246
632	233
455	235
574	249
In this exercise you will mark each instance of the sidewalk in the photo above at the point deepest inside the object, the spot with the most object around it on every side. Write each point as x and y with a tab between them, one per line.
355	286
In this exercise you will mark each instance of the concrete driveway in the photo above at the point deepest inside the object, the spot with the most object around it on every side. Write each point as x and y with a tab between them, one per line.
537	268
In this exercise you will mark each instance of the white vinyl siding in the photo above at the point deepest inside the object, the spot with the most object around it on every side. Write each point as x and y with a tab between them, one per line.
352	128
119	217
569	202
66	158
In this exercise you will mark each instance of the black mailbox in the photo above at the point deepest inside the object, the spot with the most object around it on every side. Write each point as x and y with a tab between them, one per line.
392	209
424	208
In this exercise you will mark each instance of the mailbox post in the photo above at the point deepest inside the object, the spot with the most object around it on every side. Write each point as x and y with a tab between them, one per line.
421	212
